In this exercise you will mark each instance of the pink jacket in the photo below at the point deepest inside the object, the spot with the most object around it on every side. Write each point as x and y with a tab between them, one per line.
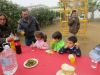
41	44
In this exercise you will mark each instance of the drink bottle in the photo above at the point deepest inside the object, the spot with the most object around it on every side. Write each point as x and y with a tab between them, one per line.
71	58
11	41
8	60
17	45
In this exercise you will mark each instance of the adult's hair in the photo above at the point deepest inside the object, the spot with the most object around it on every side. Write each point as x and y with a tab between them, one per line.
2	14
73	39
25	9
73	12
57	35
40	34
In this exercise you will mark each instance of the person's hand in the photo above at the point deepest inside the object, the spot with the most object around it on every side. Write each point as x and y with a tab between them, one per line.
77	45
39	47
22	32
31	46
65	46
73	19
9	39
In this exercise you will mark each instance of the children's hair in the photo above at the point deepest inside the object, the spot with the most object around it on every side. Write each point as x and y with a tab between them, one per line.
57	35
73	39
40	34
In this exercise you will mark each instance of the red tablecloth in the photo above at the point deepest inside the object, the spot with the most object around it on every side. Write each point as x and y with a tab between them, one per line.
50	64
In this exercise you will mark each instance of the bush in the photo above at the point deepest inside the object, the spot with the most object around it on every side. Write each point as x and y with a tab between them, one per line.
44	15
12	11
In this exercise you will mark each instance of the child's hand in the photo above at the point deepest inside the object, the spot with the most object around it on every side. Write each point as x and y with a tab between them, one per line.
39	47
31	46
77	45
54	50
65	46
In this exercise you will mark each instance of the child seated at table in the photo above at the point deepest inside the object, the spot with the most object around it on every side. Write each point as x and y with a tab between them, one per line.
57	41
71	47
41	39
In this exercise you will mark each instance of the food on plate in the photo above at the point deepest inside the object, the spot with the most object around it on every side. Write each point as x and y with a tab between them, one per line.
49	51
66	70
30	63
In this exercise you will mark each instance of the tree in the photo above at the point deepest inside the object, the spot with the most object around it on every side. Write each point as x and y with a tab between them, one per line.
12	11
44	15
93	6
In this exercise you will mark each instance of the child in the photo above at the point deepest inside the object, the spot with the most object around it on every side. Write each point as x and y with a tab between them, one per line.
71	47
58	43
41	39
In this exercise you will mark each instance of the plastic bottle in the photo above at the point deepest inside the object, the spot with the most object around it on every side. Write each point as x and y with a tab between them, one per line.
17	45
11	41
8	60
71	58
94	63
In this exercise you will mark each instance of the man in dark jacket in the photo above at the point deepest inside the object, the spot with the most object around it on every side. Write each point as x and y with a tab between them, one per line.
74	23
4	30
27	26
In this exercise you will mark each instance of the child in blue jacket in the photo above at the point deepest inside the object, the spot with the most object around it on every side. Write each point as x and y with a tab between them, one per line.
71	47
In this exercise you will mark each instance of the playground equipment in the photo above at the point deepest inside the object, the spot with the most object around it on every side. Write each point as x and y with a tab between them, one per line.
66	7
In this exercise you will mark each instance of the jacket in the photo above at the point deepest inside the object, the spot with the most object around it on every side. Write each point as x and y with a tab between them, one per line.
74	50
28	26
4	33
56	46
74	25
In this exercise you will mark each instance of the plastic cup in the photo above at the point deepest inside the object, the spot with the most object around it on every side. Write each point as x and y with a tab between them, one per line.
71	59
94	63
22	32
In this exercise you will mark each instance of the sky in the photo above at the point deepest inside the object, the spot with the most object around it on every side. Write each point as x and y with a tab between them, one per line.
25	3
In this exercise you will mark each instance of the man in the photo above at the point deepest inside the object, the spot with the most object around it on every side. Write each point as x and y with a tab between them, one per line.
74	23
27	25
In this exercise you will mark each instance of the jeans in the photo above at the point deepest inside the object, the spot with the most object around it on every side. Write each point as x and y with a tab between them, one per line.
29	40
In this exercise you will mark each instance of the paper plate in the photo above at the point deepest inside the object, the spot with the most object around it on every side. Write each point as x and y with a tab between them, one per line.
29	63
60	72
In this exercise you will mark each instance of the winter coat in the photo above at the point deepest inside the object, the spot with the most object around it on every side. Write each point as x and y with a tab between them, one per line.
4	33
74	25
29	26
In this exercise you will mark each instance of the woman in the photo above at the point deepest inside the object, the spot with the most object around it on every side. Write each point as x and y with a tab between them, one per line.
4	30
74	23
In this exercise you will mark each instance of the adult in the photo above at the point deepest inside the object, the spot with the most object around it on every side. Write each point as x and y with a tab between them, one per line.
74	23
4	30
27	25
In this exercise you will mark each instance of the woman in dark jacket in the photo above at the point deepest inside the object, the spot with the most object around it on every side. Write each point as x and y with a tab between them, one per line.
4	30
74	23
